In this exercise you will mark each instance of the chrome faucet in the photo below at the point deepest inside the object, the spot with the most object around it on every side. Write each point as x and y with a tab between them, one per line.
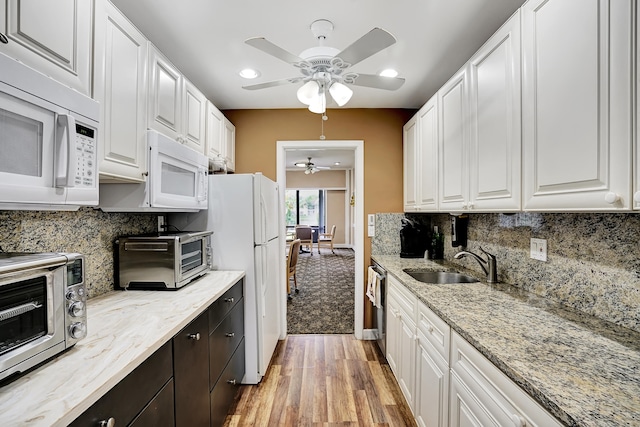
491	272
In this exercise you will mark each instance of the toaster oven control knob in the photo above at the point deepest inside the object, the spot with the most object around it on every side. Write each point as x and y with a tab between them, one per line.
78	330
71	294
76	309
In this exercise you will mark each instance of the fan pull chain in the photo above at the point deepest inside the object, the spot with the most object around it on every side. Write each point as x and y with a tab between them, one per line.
324	118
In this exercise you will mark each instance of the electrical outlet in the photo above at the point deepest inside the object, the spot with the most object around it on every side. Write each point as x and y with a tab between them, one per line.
538	249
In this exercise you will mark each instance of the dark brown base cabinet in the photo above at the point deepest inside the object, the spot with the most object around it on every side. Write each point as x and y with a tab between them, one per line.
190	381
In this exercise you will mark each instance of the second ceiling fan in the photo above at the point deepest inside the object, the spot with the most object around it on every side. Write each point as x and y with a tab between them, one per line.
310	167
325	69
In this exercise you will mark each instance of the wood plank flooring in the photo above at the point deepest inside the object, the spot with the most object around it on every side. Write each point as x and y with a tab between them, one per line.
323	380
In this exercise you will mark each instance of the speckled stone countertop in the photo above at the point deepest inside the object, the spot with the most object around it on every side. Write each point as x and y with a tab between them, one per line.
125	328
584	371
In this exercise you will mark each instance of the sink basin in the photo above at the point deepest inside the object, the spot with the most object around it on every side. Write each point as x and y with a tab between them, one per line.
440	277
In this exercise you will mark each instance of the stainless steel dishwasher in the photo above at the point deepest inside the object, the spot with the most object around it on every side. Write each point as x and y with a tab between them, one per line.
380	315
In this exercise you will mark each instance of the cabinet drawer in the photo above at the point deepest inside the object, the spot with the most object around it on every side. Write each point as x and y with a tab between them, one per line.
159	412
223	305
435	330
130	396
225	390
224	341
407	302
492	390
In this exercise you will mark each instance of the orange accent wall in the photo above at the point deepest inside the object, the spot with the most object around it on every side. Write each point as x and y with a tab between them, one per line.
257	132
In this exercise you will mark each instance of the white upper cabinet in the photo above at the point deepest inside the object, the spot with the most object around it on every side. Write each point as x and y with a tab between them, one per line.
577	98
176	107
120	85
165	95
636	168
53	37
427	156
495	122
194	121
229	139
409	161
453	121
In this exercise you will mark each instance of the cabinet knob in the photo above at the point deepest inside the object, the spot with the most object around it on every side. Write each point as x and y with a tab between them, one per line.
3	39
232	382
430	329
518	421
111	422
195	337
611	197
470	206
229	299
230	334
636	197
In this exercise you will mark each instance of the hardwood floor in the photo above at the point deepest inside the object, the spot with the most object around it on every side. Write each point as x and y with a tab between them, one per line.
323	380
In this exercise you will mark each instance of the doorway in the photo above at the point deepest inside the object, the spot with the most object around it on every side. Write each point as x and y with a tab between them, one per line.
357	146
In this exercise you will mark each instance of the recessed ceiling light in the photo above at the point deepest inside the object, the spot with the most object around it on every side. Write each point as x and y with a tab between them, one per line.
389	73
337	163
300	164
249	73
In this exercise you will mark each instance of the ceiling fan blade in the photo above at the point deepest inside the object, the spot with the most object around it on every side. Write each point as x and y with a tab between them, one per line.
378	82
369	44
273	83
267	47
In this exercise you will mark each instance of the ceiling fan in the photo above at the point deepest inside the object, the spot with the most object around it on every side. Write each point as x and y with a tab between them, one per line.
310	167
325	69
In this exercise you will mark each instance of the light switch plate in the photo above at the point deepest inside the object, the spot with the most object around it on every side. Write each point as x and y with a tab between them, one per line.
371	230
371	219
539	249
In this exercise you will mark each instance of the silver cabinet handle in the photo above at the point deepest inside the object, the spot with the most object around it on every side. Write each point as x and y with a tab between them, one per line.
229	299
3	39
230	334
195	337
232	382
111	422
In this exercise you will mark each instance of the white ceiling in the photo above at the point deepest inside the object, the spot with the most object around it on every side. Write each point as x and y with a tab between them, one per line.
205	40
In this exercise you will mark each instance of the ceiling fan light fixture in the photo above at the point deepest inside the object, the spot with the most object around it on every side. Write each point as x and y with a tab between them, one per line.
389	72
308	92
249	73
319	104
340	93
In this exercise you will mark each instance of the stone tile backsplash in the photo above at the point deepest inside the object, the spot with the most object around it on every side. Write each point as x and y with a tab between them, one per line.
87	231
593	262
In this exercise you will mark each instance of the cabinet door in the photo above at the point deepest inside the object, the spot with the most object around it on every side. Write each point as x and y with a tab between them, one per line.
427	155
195	113
393	333
165	95
215	121
432	385
191	367
230	145
464	409
577	104
53	37
120	85
409	160
495	118
406	359
453	146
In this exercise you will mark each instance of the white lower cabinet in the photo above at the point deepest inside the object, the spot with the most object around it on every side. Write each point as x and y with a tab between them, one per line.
445	380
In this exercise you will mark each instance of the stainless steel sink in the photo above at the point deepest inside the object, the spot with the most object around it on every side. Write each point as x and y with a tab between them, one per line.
440	277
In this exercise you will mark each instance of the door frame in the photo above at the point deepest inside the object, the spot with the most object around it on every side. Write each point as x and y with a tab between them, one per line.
358	147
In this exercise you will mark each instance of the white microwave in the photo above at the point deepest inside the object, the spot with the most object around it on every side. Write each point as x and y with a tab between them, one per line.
176	181
48	141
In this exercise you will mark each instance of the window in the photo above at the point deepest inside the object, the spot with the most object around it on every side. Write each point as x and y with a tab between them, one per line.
305	207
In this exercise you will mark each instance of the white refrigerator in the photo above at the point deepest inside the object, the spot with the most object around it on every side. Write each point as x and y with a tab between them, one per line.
243	215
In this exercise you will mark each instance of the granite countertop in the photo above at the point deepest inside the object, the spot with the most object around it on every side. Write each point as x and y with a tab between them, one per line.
583	370
124	329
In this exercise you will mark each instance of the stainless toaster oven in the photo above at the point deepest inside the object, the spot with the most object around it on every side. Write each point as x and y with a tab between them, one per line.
161	261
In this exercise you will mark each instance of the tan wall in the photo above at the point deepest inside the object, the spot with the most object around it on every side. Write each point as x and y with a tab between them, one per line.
257	132
322	179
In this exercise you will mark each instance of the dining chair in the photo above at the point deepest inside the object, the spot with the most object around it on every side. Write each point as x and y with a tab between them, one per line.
305	234
326	239
292	261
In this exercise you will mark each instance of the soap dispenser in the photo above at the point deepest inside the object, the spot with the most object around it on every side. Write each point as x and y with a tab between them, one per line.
437	244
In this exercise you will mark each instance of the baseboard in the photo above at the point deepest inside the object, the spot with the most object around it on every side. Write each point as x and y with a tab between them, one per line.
369	334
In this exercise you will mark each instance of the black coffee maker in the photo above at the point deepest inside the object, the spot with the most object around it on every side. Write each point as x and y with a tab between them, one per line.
414	239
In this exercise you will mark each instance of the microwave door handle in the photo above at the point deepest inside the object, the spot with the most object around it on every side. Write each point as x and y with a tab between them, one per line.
65	152
201	185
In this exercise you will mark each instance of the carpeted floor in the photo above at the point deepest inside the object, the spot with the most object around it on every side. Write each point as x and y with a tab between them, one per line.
325	302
